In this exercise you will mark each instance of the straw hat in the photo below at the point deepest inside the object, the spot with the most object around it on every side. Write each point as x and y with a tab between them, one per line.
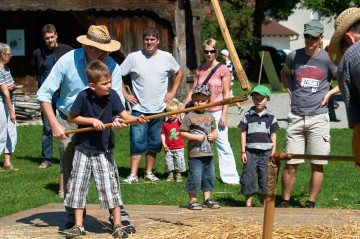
99	37
342	24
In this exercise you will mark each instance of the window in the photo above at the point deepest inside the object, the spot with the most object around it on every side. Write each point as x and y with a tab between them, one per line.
315	16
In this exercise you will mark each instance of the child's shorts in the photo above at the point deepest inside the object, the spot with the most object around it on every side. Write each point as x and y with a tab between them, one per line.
104	169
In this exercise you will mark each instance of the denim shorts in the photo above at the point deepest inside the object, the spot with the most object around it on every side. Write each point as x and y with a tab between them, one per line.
145	137
201	175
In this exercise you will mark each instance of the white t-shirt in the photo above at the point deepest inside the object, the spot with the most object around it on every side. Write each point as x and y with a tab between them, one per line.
149	78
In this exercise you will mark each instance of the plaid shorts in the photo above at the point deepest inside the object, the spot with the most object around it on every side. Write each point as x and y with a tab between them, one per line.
102	165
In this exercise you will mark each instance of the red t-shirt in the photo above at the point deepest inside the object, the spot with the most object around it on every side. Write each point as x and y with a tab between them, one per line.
171	130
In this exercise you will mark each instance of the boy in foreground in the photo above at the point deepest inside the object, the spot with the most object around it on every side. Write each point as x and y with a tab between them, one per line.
199	128
94	153
258	142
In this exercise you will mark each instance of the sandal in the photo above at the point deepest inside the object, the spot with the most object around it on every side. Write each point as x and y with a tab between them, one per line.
61	194
209	203
194	205
9	167
119	232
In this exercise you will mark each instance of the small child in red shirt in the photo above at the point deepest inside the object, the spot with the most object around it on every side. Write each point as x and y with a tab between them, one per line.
173	144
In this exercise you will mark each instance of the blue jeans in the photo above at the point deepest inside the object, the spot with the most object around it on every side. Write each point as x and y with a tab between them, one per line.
47	139
201	175
145	137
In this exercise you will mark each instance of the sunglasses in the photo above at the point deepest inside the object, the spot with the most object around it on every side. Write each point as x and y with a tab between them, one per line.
306	36
211	51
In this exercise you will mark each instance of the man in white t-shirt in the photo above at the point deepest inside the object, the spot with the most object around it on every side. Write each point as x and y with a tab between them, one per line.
149	71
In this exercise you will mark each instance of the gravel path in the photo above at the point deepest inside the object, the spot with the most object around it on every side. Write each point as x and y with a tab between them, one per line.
279	105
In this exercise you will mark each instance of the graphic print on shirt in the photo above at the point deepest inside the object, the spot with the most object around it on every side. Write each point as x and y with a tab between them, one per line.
174	134
308	77
202	126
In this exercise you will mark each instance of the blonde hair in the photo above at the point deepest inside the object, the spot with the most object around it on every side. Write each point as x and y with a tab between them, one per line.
95	70
172	106
212	43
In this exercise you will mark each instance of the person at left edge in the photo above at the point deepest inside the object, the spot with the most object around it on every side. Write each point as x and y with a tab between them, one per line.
8	134
69	73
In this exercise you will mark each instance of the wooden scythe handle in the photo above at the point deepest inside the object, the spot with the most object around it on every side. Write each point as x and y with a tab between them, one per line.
244	82
271	181
162	115
269	202
287	156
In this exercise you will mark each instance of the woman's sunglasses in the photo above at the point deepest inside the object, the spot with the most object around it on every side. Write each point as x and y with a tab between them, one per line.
211	51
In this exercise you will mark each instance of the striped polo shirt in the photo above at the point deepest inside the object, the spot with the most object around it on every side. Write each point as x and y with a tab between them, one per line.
258	129
5	78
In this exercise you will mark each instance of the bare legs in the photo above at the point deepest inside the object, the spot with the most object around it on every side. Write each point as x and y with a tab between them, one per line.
135	162
288	180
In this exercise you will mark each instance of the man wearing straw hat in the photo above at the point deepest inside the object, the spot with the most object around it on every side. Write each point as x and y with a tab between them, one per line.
69	73
307	75
344	50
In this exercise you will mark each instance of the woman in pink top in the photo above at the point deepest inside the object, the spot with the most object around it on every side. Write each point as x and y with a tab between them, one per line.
219	85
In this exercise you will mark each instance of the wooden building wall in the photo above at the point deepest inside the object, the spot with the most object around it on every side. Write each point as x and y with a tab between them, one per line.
125	19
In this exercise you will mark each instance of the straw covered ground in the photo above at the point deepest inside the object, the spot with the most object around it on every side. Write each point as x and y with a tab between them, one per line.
162	222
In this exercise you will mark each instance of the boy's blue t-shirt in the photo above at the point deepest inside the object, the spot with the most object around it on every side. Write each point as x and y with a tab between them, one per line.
87	104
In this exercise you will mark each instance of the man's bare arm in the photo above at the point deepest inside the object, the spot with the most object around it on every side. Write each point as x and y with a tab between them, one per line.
177	81
57	129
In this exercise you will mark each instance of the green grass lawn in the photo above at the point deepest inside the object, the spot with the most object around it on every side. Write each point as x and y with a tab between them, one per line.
32	187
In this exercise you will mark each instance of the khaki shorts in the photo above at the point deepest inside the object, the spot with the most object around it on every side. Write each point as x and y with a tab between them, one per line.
308	134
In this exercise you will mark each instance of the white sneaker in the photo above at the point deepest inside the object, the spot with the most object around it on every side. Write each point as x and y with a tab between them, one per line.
131	179
151	177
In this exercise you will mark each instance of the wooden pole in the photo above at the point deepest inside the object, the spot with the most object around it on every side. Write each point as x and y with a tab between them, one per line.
162	115
244	82
287	156
271	182
261	63
269	201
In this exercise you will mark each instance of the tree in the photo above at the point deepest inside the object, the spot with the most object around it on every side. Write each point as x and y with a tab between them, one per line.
330	8
240	23
244	19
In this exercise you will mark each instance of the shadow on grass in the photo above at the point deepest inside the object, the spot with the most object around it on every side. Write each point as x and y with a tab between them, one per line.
231	202
125	171
53	187
36	159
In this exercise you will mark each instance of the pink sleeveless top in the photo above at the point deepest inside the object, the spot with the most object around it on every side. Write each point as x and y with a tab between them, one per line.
215	84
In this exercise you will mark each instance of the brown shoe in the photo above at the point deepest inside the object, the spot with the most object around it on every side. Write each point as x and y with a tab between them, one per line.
44	165
10	167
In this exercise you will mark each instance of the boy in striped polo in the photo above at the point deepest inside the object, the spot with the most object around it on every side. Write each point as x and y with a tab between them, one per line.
258	142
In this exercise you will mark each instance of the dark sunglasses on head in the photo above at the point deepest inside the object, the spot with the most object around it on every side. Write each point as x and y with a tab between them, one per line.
211	51
306	36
